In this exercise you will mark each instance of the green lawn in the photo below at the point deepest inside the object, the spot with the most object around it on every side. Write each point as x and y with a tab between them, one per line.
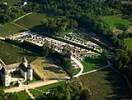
116	21
9	28
38	91
128	42
92	63
23	96
12	54
32	21
75	71
105	85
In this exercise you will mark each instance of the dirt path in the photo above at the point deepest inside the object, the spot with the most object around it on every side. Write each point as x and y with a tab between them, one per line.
30	86
22	17
30	94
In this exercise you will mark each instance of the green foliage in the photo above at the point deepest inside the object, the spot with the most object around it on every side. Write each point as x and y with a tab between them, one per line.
128	43
71	7
58	24
70	91
120	59
8	13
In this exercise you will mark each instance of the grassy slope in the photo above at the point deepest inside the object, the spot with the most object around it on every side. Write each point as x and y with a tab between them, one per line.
114	21
104	85
31	21
8	29
128	42
11	54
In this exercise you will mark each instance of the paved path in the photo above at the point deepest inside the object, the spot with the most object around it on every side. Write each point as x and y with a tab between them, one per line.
30	86
95	70
79	64
2	38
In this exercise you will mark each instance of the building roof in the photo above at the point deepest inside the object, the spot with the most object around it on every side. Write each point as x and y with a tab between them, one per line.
24	59
29	67
21	66
12	66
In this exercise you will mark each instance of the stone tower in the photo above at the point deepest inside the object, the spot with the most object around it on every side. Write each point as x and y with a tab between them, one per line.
25	62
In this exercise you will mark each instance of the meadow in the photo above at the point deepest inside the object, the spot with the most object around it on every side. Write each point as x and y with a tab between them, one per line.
116	21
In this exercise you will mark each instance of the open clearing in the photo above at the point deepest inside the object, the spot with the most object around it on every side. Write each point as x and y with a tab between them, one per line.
47	70
116	21
105	84
128	42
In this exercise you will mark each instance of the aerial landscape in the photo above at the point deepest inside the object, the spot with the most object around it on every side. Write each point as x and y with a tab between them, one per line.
65	49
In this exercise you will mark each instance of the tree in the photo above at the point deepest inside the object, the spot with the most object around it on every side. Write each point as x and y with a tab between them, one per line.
46	49
121	59
85	95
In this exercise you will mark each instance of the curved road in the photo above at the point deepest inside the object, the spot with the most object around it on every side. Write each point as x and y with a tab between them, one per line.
79	64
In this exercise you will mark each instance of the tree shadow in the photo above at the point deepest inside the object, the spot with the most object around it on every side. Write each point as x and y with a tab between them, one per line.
121	26
120	89
39	28
54	69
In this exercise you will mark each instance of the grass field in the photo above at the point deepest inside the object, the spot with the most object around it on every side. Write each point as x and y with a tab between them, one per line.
105	85
32	21
92	63
128	42
9	29
23	96
11	54
39	91
116	21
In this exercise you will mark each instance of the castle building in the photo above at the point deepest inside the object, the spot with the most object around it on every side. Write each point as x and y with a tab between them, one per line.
15	72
